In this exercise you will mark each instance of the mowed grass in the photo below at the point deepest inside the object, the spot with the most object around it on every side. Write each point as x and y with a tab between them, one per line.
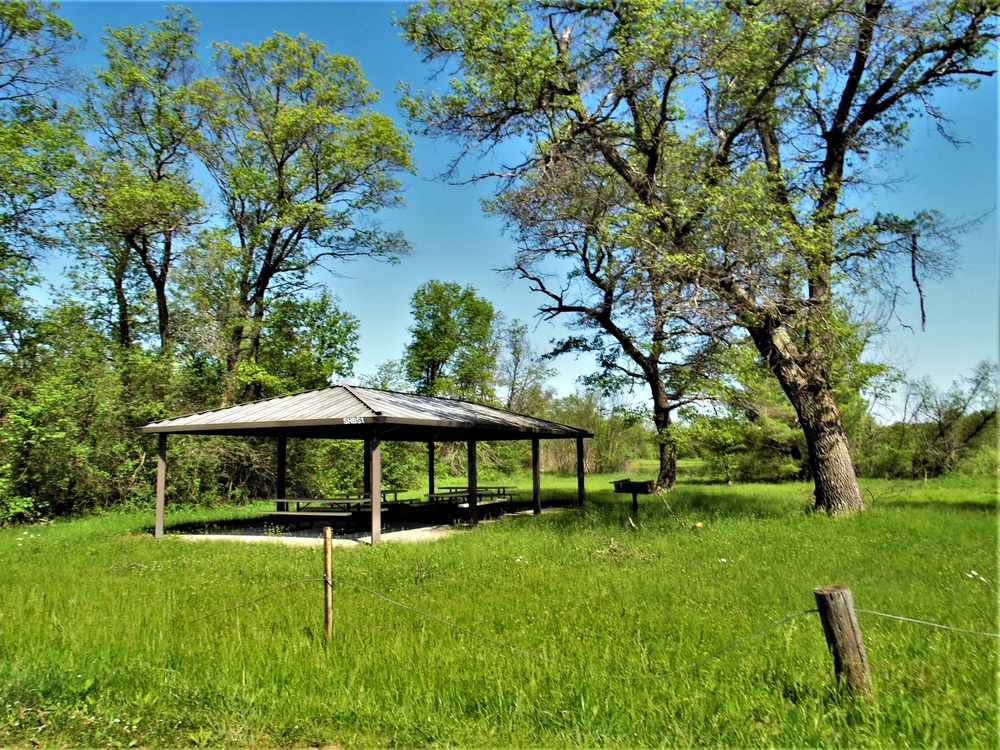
573	629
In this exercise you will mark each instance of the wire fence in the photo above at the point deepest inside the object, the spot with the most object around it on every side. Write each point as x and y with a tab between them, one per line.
556	662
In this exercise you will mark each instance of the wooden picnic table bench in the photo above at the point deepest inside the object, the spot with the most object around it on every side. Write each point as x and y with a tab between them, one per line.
345	505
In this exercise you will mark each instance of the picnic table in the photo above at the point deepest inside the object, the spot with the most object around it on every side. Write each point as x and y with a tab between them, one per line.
334	509
483	491
485	495
349	500
344	501
344	505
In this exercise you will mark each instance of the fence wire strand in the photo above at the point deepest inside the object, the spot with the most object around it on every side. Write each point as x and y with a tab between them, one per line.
928	624
253	601
541	657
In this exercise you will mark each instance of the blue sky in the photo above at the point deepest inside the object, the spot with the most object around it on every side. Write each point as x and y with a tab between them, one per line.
454	241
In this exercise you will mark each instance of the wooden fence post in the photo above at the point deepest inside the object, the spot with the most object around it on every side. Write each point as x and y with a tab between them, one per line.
843	636
328	581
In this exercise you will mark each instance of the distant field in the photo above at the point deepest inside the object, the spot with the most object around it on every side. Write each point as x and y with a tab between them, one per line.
569	629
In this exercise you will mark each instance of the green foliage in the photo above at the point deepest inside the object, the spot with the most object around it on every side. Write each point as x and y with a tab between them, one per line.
68	416
453	350
289	136
303	164
718	141
132	188
619	436
522	372
949	431
159	319
307	342
38	142
750	431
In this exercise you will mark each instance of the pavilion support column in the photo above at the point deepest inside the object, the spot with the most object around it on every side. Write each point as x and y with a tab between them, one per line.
366	482
375	485
430	467
282	472
161	482
536	477
581	493
473	484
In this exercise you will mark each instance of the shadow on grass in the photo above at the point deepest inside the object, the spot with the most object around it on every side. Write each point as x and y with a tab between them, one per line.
690	503
982	506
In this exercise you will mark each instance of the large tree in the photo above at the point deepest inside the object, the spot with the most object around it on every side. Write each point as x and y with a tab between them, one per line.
643	328
134	188
37	143
766	111
308	342
302	163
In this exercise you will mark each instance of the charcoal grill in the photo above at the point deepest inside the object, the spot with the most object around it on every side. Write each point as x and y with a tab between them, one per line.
636	488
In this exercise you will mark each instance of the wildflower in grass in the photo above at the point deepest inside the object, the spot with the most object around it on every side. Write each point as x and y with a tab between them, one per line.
722	560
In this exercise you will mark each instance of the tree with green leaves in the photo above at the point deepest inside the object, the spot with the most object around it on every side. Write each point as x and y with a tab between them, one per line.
134	189
643	329
453	349
38	140
303	165
522	373
308	342
949	426
735	129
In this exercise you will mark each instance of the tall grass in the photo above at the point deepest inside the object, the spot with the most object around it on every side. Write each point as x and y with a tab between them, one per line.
108	638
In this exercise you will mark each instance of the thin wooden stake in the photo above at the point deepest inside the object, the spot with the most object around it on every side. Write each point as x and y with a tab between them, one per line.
843	636
328	580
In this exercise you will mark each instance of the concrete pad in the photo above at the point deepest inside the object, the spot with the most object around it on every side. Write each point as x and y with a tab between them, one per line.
425	534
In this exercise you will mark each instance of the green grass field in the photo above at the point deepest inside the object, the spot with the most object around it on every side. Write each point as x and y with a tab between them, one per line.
583	629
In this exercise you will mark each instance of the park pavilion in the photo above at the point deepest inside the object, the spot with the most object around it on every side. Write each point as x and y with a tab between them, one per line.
344	412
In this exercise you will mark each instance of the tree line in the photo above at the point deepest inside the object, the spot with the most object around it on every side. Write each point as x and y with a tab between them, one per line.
186	293
681	204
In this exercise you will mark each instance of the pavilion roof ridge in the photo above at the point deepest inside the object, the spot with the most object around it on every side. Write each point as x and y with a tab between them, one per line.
451	399
351	389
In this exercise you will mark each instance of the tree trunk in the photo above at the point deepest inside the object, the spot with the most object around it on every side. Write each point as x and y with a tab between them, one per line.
157	273
254	390
810	393
667	477
121	302
162	312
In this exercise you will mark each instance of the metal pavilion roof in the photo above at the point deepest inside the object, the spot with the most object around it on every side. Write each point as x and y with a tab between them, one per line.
352	412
